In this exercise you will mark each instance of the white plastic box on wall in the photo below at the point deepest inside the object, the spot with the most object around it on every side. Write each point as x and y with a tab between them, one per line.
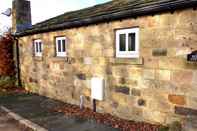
97	88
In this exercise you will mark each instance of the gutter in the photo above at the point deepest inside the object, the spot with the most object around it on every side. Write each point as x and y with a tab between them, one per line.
128	13
17	60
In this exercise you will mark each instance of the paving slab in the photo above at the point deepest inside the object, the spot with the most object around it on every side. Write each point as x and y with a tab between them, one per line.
9	124
38	110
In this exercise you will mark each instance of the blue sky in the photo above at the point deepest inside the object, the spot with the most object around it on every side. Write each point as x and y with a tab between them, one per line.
45	9
101	1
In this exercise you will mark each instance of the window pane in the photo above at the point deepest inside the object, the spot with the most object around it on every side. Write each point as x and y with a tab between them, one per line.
63	45
36	46
122	42
40	46
59	46
131	43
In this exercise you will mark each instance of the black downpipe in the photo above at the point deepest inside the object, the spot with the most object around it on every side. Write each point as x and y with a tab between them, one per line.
94	105
18	62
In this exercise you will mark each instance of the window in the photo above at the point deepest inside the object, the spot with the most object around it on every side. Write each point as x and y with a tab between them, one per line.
61	46
38	47
127	43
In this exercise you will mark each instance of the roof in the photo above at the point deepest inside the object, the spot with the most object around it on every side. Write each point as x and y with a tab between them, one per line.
113	10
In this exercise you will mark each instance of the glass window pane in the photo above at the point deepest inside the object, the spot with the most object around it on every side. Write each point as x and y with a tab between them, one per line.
131	43
36	46
122	42
59	46
63	45
40	47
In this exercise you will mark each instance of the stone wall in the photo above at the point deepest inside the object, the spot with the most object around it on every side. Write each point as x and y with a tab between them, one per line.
152	88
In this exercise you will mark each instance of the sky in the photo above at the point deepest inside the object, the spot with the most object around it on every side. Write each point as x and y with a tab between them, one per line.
45	9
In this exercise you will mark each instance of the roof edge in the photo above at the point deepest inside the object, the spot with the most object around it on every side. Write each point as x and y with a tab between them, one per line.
131	13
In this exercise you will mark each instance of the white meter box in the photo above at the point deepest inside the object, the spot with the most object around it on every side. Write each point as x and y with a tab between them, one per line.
97	88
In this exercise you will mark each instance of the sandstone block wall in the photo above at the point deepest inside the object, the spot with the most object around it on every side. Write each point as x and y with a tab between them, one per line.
155	87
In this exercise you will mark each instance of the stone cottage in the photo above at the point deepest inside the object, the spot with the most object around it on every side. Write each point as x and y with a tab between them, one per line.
138	48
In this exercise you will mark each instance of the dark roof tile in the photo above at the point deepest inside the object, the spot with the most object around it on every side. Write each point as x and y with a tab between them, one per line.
113	10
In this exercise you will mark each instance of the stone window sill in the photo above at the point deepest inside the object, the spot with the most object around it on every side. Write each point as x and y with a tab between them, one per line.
38	58
57	58
68	60
127	61
192	62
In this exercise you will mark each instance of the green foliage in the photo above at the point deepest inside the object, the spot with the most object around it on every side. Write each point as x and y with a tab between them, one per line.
32	87
7	81
164	128
175	126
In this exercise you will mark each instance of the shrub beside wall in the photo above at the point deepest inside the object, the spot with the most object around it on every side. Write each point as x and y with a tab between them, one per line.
7	67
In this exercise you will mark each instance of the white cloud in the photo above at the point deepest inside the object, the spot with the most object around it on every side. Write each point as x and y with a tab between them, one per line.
42	10
5	21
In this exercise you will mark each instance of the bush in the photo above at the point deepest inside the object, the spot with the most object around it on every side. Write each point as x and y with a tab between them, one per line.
7	81
7	67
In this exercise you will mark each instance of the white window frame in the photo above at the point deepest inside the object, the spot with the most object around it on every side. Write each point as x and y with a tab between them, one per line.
36	45
127	54
61	53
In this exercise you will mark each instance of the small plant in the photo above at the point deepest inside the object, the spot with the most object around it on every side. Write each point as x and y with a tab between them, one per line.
7	81
175	126
163	128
